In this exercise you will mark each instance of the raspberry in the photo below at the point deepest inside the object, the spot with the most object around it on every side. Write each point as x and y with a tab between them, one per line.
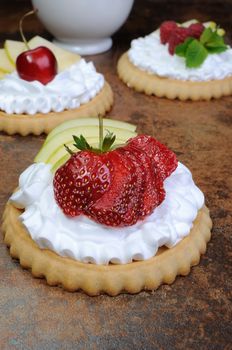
166	30
177	37
196	29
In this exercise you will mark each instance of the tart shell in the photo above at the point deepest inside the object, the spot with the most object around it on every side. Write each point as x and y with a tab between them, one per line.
39	123
152	84
93	279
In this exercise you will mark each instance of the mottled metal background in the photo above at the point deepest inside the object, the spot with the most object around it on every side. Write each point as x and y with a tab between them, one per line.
193	313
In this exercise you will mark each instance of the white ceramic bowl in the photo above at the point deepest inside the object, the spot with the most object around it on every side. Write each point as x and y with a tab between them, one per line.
83	26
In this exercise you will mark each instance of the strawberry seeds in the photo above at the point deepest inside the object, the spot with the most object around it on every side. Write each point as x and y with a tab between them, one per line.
115	187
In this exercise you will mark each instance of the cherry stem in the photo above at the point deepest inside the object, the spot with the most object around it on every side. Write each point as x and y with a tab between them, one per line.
100	131
21	26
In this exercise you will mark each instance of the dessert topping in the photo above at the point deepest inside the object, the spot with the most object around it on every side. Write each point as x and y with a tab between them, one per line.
166	30
115	187
195	30
194	42
177	37
36	64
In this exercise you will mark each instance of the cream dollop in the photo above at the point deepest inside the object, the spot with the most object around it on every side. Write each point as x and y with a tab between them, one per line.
69	89
85	240
150	55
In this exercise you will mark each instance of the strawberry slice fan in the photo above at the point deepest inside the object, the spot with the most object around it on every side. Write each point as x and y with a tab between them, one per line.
114	188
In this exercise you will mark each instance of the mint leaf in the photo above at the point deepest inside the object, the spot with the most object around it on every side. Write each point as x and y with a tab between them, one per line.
217	49
196	54
211	39
206	35
181	49
195	51
216	43
215	39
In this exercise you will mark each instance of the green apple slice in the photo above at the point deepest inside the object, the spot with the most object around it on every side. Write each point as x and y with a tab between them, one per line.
2	74
13	49
60	162
60	152
188	23
5	65
210	24
76	123
66	137
64	58
61	155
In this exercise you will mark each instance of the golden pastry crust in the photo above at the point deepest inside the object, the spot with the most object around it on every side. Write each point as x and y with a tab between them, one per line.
24	124
110	279
152	84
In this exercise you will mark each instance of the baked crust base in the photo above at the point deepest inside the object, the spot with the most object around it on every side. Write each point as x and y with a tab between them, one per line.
152	84
39	123
111	279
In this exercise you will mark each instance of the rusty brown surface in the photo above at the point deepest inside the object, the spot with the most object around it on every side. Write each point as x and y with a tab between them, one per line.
193	313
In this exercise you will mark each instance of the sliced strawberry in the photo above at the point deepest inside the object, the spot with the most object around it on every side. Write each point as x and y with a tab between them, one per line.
166	29
83	179
196	29
153	193
115	188
115	206
177	37
163	159
137	205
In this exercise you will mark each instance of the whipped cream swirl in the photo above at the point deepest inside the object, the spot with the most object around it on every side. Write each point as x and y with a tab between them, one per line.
68	90
150	55
85	240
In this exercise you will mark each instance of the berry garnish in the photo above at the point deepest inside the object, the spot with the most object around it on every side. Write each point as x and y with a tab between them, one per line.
195	51
114	187
194	42
195	30
177	37
166	30
35	64
160	156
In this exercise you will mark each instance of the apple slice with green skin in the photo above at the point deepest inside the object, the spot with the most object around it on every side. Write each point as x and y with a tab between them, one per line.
60	162
66	137
61	155
13	49
188	23
64	58
76	123
2	74
61	151
5	65
210	24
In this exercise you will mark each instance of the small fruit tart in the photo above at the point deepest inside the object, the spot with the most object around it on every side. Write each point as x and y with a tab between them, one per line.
43	85
105	214
187	61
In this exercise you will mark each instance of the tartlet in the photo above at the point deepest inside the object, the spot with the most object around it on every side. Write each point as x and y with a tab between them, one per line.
39	123
110	279
92	258
29	107
149	67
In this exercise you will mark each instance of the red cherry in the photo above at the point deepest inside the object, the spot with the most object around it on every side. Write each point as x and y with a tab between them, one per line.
37	64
